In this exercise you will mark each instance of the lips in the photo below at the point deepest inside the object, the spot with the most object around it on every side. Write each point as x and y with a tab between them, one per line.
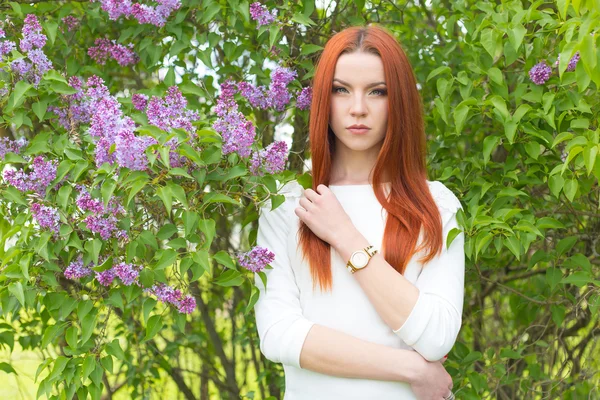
358	131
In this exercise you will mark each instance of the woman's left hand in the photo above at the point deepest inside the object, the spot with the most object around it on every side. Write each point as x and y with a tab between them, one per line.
324	215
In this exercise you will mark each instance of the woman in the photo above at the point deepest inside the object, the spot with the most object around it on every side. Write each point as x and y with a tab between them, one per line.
349	321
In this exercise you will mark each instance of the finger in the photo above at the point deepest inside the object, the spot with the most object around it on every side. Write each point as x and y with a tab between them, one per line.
322	188
305	203
300	213
311	195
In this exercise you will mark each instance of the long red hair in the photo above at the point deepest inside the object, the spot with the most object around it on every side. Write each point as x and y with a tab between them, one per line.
410	205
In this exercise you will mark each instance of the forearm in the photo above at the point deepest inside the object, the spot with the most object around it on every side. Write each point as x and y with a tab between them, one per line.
332	352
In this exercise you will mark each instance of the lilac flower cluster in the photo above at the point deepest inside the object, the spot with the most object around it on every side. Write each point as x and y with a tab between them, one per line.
70	22
32	43
572	62
46	217
76	270
304	98
256	259
171	112
11	146
145	14
541	71
236	131
166	294
276	96
139	101
106	48
106	277
272	158
128	273
102	220
79	106
6	46
41	175
261	14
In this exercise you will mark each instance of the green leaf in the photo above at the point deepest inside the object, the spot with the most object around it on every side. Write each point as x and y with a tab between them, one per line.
71	336
148	306
89	364
213	197
460	116
166	231
553	277
565	244
114	349
87	327
230	278
135	188
201	264
516	35
254	295
93	249
39	108
16	288
439	70
310	48
63	196
18	94
108	187
167	258
224	259
302	19
571	187
165	194
62	88
178	193
51	333
578	279
7	368
153	326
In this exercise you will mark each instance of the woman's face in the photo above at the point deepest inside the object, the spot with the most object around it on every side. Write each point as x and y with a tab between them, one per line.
359	96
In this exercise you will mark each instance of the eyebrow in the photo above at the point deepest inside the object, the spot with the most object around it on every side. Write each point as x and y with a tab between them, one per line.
368	86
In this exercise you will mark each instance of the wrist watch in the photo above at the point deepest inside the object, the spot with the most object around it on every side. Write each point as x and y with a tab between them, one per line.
360	258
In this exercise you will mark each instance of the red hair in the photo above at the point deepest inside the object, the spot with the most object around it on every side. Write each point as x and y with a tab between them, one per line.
410	205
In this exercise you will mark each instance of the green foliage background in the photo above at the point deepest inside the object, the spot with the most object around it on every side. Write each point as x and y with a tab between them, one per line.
522	158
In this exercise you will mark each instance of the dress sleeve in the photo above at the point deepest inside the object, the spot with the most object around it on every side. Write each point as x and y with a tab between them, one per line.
282	328
433	324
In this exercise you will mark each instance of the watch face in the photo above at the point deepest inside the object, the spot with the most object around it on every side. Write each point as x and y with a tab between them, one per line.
359	259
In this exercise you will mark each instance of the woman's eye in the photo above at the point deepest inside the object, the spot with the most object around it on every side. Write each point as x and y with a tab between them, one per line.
382	92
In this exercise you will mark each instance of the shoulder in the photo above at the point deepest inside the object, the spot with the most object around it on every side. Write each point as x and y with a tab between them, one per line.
445	199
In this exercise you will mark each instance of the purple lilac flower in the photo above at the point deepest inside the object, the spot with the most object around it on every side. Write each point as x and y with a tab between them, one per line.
70	22
139	101
6	46
572	62
106	48
272	158
304	98
78	105
261	14
46	217
11	146
165	293
42	174
105	278
187	305
102	220
143	13
32	34
130	150
2	34
171	111
256	259
280	78
76	270
21	67
236	131
540	73
128	273
257	96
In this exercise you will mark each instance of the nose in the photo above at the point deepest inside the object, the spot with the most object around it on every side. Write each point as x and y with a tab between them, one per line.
359	106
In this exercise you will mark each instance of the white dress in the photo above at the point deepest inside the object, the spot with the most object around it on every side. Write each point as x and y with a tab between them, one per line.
289	307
